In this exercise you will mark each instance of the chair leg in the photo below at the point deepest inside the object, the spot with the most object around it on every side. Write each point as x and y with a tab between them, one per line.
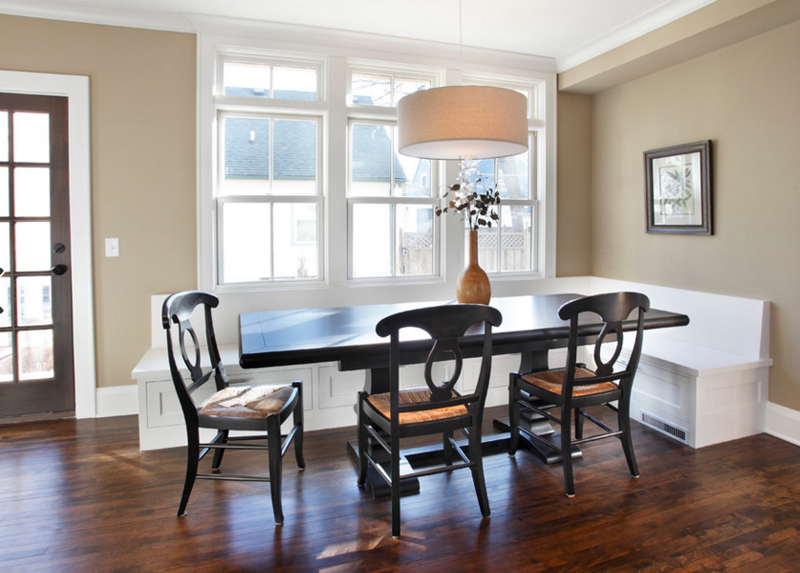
578	423
363	441
566	451
624	420
476	457
447	448
223	439
275	465
192	455
513	415
395	443
297	416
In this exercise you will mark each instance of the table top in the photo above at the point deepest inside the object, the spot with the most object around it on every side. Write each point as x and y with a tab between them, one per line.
347	334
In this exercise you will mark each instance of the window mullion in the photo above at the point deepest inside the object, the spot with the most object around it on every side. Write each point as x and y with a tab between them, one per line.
272	81
393	238
500	221
272	241
270	162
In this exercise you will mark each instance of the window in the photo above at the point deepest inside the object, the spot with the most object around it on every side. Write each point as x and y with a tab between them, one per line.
301	185
257	79
268	199
383	90
390	196
510	246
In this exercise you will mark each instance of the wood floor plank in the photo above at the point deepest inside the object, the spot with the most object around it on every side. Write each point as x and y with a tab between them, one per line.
77	495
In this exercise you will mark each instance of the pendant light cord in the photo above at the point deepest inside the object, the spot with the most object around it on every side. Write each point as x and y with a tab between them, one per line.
461	44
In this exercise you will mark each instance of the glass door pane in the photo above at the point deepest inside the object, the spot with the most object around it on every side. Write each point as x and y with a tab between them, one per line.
31	137
33	301
4	188
6	358
3	136
31	191
32	246
35	348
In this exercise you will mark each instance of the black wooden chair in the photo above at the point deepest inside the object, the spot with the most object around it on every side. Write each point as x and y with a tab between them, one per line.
575	387
256	408
384	419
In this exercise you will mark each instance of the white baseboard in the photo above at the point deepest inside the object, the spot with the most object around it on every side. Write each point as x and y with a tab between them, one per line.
117	401
783	423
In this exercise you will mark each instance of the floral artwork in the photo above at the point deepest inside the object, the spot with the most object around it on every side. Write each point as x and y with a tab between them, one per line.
674	195
678	189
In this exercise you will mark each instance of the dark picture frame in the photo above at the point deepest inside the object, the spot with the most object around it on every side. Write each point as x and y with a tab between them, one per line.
678	189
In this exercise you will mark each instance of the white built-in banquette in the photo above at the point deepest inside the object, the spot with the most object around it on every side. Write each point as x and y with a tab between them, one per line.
700	384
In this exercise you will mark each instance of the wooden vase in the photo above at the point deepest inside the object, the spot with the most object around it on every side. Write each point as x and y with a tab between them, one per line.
473	285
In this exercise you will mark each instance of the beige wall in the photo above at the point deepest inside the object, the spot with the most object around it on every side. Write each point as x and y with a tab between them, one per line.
143	166
746	99
574	187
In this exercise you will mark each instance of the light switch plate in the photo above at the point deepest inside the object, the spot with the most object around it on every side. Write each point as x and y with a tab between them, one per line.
112	247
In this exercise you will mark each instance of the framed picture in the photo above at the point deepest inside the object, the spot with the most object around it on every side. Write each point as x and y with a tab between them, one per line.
678	189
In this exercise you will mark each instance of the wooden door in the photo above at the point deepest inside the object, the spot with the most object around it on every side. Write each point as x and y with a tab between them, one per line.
36	351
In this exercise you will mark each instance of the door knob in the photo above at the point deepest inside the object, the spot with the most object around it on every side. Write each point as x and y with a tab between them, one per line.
59	270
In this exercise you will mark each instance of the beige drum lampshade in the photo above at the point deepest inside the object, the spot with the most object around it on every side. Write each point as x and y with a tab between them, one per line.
459	122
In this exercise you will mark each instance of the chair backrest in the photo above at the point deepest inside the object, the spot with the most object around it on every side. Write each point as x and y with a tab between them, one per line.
615	311
178	309
446	325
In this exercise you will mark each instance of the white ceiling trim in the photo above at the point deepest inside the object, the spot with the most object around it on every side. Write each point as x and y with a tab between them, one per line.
348	43
647	23
54	10
196	23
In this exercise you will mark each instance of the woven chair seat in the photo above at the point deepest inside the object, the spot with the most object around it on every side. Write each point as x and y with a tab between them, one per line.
553	381
415	396
247	401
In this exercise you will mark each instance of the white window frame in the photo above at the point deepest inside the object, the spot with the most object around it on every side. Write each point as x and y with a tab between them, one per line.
273	109
540	266
273	59
357	66
387	116
336	58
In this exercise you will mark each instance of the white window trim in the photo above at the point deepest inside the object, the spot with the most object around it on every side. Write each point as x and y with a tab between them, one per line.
356	65
384	115
425	201
317	198
275	59
431	201
340	53
209	79
541	113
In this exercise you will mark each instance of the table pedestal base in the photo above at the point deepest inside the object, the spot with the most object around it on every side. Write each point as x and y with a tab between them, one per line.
545	450
424	456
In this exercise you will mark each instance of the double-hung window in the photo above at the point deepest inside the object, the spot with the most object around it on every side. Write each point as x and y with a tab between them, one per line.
268	200
391	198
511	245
301	184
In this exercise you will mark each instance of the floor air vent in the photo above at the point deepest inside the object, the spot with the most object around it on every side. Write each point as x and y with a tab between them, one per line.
664	427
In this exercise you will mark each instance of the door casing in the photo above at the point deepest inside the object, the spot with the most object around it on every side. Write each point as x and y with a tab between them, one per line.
76	88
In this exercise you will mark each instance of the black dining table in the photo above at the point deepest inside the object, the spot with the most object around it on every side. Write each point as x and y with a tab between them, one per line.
346	335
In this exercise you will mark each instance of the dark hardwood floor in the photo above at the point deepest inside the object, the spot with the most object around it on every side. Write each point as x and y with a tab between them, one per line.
79	496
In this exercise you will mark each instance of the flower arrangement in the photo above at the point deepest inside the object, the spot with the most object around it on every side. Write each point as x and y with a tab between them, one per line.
477	208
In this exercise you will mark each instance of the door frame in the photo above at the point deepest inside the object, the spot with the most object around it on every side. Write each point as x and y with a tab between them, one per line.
76	88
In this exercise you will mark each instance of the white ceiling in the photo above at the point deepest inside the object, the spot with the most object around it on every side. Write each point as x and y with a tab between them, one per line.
568	31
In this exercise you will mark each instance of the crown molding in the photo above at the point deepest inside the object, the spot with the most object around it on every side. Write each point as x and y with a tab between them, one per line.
348	43
343	41
200	23
54	10
639	27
